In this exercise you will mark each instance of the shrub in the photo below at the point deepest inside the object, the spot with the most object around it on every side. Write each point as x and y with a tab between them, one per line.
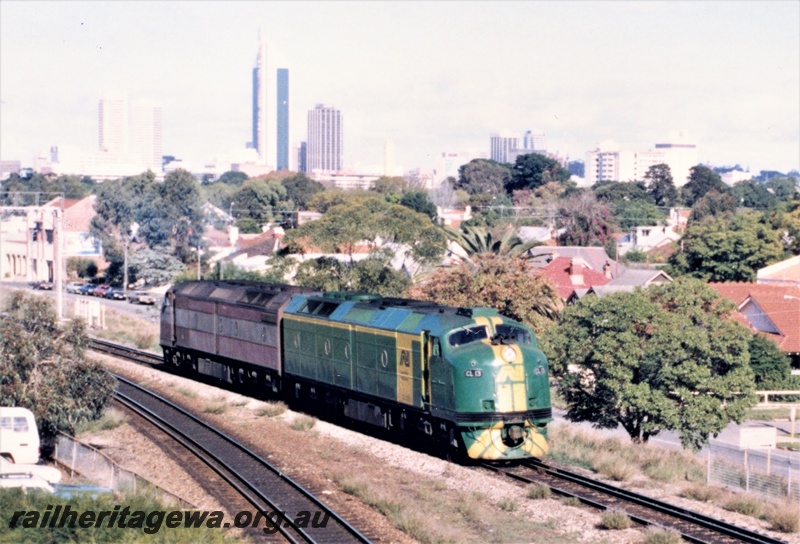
745	504
509	505
538	492
272	409
702	493
660	536
784	517
615	519
302	423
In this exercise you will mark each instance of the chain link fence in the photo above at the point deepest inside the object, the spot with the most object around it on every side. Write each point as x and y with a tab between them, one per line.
767	472
83	460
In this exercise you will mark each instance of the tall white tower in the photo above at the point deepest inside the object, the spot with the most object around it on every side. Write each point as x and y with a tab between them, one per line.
262	98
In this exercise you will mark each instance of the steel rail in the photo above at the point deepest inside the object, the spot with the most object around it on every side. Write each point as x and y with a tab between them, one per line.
229	453
683	515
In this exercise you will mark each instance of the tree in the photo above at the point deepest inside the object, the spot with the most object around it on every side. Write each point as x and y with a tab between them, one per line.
477	241
483	177
770	365
713	204
701	180
630	214
418	201
43	368
534	170
232	178
370	275
262	201
372	221
752	194
586	221
301	189
661	186
665	358
727	248
509	284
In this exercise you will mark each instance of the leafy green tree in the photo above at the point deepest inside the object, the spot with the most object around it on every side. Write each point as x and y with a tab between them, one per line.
369	220
324	201
788	224
615	192
301	189
153	266
418	201
586	221
262	201
81	267
233	178
701	180
41	188
247	225
771	366
630	214
784	188
713	204
725	248
370	275
483	177
752	194
43	367
661	186
509	284
665	358
477	241
534	170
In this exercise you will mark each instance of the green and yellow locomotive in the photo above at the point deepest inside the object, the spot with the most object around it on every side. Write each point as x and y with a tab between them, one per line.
467	379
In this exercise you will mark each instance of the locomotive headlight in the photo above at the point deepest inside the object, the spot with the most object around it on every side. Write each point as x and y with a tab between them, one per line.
509	354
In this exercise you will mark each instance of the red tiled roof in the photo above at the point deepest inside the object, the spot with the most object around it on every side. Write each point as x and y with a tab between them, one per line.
558	272
779	303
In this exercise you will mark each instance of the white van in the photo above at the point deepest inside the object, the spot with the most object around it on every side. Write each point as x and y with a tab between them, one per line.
19	436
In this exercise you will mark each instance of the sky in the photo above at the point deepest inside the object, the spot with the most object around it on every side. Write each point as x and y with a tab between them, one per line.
431	77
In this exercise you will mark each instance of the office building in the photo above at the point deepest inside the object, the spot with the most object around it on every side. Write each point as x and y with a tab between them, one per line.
146	136
270	109
282	116
501	145
113	123
324	145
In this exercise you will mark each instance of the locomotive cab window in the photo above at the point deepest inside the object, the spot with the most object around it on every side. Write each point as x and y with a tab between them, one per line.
467	335
513	333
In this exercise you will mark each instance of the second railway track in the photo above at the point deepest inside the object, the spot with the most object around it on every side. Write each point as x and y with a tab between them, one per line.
266	488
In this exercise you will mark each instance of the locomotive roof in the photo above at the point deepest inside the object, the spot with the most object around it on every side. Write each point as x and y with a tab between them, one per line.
251	293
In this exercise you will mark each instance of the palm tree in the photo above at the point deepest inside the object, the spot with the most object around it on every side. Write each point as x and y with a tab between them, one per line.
478	241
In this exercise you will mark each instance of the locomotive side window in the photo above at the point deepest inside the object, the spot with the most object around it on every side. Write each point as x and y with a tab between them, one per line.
467	335
515	334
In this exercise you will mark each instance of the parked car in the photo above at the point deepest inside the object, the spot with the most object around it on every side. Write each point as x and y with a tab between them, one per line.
87	289
74	287
115	293
8	469
140	297
101	289
42	285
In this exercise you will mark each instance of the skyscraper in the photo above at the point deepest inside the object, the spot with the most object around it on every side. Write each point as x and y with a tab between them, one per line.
501	144
270	115
282	115
113	125
146	134
324	147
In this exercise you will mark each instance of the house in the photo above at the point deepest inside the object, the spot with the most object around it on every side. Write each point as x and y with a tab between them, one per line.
595	258
785	272
570	275
771	309
629	280
29	238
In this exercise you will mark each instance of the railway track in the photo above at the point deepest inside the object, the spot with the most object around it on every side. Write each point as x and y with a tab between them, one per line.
265	487
692	526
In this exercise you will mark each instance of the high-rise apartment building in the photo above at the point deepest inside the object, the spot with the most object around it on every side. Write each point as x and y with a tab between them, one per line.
501	145
270	112
534	140
146	141
610	163
324	146
113	123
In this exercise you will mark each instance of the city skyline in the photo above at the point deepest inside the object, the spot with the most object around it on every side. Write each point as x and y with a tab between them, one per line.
430	77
